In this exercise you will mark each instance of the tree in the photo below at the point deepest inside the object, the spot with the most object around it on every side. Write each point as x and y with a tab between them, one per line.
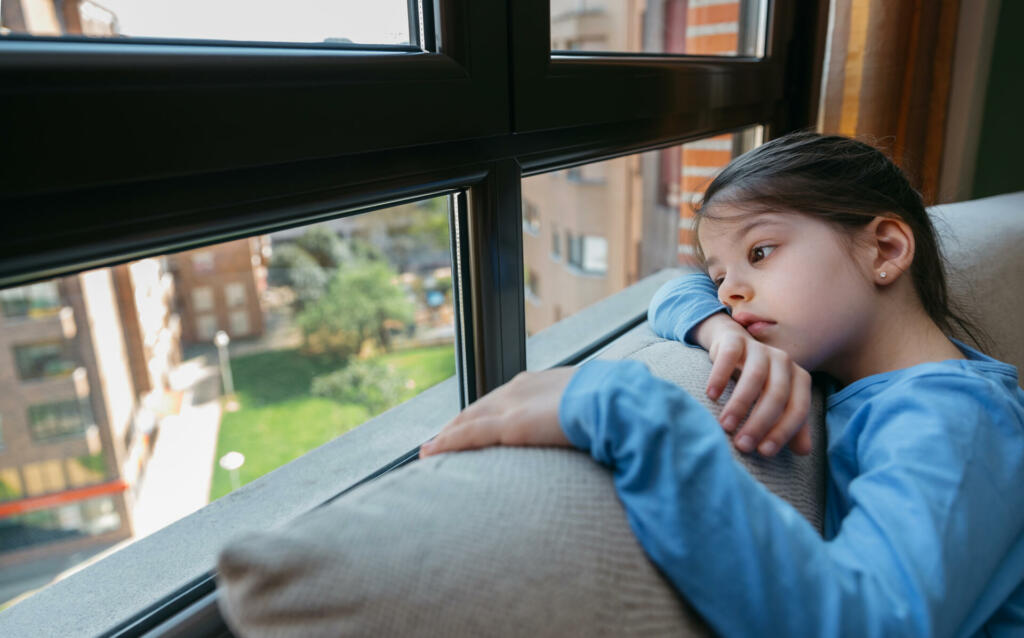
295	268
360	298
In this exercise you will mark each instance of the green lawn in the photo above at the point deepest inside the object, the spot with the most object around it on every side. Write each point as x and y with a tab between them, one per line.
279	420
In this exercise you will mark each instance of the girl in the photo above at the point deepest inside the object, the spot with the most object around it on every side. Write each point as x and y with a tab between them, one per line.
819	256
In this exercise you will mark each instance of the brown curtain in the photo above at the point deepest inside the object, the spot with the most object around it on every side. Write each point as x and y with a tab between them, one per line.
887	81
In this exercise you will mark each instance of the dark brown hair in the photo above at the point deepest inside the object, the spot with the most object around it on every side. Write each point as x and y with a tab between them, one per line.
847	183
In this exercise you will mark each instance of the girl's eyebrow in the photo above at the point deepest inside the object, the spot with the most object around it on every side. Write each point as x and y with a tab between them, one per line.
742	231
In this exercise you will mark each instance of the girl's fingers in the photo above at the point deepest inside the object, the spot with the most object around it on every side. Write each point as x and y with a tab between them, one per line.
471	435
771	405
726	359
752	380
793	420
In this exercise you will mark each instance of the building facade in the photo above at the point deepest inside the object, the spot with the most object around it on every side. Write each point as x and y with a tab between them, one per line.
220	287
84	370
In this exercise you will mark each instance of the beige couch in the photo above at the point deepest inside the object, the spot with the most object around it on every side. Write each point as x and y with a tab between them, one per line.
515	541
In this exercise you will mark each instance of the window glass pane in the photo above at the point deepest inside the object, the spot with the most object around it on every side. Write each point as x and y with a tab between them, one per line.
148	389
691	27
632	222
327	21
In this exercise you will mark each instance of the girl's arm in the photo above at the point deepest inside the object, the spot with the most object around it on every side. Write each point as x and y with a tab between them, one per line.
681	305
934	515
772	392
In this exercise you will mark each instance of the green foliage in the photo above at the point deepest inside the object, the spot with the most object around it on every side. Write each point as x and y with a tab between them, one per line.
431	226
366	383
324	246
359	300
292	266
8	492
96	463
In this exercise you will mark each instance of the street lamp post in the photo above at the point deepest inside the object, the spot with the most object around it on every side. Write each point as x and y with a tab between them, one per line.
222	340
231	462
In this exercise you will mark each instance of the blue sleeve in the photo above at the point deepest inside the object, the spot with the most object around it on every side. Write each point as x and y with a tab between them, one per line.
681	305
932	515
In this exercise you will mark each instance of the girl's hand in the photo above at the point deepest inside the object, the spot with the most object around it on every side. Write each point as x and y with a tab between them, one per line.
781	388
524	411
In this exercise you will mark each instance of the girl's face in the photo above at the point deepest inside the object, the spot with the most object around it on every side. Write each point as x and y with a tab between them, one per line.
792	280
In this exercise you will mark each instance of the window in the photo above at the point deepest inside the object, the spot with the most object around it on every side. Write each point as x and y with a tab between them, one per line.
48	359
531	218
202	299
86	469
311	21
201	163
691	27
10	484
239	323
60	524
532	287
59	420
556	243
633	221
43	477
206	327
203	262
234	294
36	300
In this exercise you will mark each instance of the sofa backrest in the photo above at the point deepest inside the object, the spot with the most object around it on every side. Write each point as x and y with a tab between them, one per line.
983	242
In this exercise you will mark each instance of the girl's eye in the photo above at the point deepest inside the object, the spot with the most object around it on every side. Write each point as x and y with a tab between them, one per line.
718	281
757	253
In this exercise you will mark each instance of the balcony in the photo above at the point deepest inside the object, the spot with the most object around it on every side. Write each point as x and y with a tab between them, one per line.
47	327
71	386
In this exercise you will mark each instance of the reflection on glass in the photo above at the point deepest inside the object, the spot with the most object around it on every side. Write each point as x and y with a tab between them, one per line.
327	21
115	409
598	228
691	27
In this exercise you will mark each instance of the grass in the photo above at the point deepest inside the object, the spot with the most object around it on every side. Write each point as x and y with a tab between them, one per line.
279	420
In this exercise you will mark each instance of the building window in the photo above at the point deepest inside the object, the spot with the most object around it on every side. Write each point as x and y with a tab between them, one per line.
556	243
59	419
49	359
67	522
203	262
44	477
588	253
37	300
531	218
206	327
240	323
87	470
234	294
532	286
202	299
10	484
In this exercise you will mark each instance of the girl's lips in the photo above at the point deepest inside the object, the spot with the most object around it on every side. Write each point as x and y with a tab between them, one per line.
758	328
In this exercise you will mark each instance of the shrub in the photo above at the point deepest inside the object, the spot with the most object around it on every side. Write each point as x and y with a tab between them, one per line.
366	383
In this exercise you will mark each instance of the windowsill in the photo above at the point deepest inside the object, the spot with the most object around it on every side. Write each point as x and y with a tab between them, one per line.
102	595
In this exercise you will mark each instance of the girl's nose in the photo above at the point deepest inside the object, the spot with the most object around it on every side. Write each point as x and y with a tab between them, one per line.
733	291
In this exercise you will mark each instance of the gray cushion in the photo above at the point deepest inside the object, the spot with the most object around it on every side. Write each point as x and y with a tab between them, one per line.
498	542
982	240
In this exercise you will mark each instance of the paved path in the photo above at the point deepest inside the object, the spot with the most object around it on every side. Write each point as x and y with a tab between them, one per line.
177	477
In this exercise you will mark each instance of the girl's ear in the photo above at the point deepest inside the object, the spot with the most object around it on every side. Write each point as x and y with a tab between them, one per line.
891	248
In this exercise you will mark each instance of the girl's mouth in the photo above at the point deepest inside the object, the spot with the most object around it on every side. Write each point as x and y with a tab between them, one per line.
758	328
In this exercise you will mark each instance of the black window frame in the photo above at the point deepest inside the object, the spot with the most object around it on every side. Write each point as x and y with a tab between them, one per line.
191	144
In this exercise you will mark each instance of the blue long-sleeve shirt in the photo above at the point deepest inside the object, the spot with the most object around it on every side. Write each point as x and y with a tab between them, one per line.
924	523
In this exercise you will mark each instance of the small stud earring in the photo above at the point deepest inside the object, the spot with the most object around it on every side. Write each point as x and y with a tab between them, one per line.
882	274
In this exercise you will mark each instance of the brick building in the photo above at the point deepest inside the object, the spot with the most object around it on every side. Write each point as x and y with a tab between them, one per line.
84	364
220	287
595	229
